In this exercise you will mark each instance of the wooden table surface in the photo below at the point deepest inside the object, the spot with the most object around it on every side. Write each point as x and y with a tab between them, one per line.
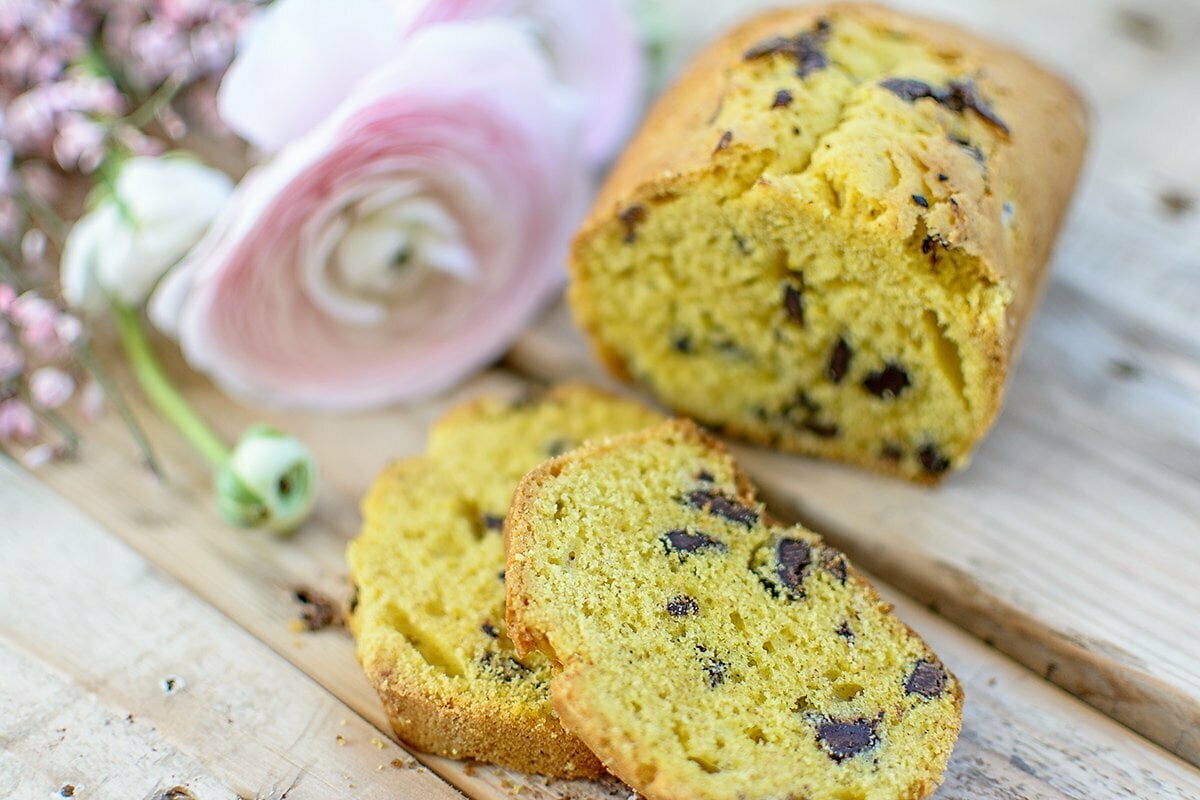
149	651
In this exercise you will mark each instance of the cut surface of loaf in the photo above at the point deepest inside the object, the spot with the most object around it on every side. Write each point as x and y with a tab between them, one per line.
429	574
830	234
703	651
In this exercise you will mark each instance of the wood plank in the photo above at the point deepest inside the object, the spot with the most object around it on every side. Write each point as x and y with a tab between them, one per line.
117	682
1071	543
252	576
1022	738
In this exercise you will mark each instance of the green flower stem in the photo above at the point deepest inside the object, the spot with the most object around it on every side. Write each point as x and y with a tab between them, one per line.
162	394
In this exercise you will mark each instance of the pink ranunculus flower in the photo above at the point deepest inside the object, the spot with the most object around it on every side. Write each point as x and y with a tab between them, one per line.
299	58
401	244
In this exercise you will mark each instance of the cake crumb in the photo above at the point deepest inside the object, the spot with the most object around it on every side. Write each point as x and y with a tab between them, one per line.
317	611
341	740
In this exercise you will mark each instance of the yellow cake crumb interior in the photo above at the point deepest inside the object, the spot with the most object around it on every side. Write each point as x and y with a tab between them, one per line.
804	288
428	569
692	658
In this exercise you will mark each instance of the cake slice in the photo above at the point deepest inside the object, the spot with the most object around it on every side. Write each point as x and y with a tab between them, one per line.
428	569
830	235
705	652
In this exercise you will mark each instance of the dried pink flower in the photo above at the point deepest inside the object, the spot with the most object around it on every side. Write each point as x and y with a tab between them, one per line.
17	422
91	400
38	456
12	360
51	387
7	295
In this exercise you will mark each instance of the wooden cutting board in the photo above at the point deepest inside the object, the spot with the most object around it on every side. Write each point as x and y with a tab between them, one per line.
101	613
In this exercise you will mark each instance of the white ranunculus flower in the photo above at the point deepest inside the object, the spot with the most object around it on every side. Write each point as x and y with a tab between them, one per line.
121	248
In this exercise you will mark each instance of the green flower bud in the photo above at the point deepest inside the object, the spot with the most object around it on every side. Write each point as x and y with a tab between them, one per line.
268	481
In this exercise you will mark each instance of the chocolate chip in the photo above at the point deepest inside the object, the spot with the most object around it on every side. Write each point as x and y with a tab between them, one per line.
793	301
316	610
891	451
802	402
943	177
489	630
972	149
833	562
839	361
805	48
716	670
932	459
682	606
730	349
933	241
888	383
683	344
958	96
783	99
927	679
631	218
503	668
920	200
962	95
722	506
930	244
908	89
724	141
492	522
846	632
683	542
704	476
846	739
823	430
793	557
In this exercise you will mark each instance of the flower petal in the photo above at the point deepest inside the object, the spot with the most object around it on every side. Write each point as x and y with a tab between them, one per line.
297	61
468	113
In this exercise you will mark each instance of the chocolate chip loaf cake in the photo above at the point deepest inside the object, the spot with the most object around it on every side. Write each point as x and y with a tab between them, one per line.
429	573
703	651
830	235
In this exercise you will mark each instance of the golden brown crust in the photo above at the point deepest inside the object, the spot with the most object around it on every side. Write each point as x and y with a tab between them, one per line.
458	728
428	710
576	716
1039	160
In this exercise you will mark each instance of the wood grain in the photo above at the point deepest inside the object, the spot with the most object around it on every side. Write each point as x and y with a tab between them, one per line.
1072	542
119	683
1022	737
